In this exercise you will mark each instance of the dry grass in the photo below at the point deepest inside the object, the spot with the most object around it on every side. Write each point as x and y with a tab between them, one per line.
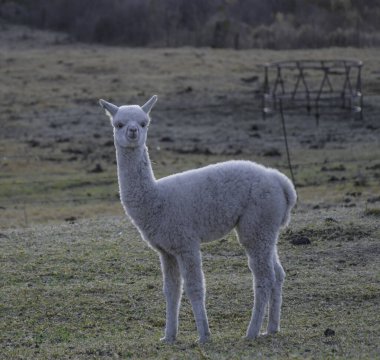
88	288
92	289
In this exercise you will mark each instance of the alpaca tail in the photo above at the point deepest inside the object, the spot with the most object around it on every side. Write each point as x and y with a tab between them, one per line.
290	196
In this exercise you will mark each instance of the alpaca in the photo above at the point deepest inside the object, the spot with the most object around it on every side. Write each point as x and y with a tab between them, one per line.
175	214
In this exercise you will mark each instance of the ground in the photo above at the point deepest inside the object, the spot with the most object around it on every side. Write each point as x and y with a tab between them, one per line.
77	281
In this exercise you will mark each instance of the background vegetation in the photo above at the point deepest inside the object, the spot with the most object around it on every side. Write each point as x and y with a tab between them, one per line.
276	24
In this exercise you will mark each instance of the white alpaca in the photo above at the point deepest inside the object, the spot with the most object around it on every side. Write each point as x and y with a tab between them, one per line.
179	212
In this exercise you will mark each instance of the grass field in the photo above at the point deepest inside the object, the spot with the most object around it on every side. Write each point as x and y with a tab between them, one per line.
76	279
92	289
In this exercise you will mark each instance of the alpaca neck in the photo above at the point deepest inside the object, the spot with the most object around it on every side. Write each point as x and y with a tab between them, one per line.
136	179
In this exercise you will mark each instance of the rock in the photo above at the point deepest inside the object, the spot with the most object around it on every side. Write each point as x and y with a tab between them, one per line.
33	143
272	152
330	220
250	79
187	90
166	139
97	169
108	143
334	178
329	332
300	240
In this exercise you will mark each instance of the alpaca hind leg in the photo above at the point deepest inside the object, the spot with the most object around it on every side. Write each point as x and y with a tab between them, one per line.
191	269
276	297
172	290
261	265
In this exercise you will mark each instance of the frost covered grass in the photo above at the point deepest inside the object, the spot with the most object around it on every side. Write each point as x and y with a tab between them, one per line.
49	95
84	290
81	288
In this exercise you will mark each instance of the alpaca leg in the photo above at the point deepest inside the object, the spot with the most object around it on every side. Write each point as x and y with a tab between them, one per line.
261	265
172	290
191	269
276	297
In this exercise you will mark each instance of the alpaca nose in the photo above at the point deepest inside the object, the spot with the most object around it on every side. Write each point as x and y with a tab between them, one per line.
132	130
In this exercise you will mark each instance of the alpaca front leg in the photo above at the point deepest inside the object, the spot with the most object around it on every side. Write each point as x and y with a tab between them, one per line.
191	269
172	290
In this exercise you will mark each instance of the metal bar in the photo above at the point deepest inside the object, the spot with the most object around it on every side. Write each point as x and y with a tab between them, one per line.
265	93
287	146
297	82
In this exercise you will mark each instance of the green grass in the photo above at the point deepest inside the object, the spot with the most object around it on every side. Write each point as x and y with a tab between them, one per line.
54	133
93	290
89	287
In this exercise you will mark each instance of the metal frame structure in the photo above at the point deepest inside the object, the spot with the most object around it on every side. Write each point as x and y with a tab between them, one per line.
310	84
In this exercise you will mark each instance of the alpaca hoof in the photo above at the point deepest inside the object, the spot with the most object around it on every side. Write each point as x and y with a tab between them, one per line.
265	334
204	339
270	332
168	340
252	335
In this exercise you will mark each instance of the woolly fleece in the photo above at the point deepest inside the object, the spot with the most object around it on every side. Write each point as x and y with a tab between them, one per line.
177	213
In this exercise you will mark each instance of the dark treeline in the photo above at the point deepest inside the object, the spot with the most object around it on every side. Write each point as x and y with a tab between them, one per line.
277	24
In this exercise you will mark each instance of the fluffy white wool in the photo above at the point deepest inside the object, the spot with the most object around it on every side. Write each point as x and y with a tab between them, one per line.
177	213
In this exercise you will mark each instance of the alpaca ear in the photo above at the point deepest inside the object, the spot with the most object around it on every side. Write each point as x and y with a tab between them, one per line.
147	107
110	109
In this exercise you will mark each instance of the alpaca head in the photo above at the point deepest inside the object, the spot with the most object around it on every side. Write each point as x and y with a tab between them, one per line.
130	122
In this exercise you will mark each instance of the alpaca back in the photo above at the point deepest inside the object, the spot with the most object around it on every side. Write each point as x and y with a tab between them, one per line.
206	201
209	201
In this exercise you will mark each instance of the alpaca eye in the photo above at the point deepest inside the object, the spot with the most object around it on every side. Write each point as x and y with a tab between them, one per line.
119	125
143	125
